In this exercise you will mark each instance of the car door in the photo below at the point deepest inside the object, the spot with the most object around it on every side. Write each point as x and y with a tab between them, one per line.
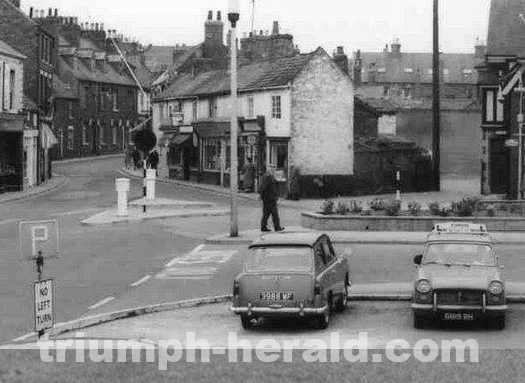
320	265
333	267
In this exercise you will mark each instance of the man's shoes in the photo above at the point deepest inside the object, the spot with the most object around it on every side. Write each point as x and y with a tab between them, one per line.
265	230
279	229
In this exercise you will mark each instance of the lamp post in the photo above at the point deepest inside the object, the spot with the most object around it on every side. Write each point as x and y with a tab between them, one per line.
436	128
233	17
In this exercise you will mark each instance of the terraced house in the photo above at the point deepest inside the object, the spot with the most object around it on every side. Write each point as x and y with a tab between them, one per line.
294	112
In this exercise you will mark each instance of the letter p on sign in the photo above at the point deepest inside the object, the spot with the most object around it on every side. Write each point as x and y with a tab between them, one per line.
39	236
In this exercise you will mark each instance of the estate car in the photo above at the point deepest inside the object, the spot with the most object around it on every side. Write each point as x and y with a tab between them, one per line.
291	275
458	277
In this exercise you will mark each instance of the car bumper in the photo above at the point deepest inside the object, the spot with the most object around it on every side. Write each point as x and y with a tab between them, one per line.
430	309
278	311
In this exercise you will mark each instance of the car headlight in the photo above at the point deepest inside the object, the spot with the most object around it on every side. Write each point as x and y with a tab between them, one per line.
423	286
496	288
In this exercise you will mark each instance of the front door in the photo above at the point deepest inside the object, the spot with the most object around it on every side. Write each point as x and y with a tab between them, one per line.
499	166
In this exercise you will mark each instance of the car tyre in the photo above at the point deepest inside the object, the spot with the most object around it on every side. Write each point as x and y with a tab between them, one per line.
323	321
246	322
419	321
343	299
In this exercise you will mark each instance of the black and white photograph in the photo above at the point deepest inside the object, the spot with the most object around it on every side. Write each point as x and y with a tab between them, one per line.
262	191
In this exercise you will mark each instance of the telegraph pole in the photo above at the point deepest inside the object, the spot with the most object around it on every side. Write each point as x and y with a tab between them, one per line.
436	123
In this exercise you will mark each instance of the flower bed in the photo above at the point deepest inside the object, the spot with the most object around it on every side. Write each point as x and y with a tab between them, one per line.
388	215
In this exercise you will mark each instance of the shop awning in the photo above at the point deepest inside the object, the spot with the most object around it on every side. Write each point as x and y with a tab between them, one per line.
164	141
180	139
48	137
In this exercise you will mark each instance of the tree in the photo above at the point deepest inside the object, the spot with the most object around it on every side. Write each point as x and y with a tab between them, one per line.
144	140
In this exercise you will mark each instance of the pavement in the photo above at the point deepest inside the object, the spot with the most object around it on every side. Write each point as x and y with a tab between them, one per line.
53	184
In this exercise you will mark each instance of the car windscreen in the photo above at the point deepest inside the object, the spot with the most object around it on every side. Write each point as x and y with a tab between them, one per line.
459	253
279	258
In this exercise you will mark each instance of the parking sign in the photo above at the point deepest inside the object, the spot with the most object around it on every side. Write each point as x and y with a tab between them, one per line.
38	236
44	317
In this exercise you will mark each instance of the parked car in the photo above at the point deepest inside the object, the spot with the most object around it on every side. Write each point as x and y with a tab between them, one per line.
458	277
291	275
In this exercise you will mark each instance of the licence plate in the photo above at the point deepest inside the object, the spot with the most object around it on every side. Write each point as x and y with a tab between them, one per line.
458	317
275	296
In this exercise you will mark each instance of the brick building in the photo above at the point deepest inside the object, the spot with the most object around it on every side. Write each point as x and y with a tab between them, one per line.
294	112
500	80
95	99
38	46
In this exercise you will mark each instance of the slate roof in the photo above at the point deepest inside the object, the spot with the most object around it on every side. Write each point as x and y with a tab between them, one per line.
506	35
158	56
88	44
141	72
63	90
179	61
106	75
391	68
7	49
257	76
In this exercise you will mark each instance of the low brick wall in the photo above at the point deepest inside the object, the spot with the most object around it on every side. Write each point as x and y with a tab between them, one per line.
321	222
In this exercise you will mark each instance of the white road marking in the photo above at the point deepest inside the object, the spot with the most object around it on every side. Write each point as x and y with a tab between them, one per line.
141	281
194	251
101	303
75	212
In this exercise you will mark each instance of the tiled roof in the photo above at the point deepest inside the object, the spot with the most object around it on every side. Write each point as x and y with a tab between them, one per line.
8	50
63	90
506	30
106	75
261	75
410	67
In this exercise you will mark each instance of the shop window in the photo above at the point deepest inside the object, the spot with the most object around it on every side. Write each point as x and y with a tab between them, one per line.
212	154
279	154
492	107
70	137
114	134
276	107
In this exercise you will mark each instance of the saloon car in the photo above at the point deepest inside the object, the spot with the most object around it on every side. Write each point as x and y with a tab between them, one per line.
291	275
458	277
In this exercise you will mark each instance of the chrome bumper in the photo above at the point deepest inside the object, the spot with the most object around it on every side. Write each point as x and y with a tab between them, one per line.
300	311
421	307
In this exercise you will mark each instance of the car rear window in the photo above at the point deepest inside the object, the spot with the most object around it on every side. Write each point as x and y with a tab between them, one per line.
459	253
279	259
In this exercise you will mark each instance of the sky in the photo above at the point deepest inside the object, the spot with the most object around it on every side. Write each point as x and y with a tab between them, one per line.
354	24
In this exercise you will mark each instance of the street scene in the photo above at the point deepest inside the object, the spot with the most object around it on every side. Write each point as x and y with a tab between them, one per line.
243	190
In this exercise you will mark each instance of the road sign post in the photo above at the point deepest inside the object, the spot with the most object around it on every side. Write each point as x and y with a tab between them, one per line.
44	312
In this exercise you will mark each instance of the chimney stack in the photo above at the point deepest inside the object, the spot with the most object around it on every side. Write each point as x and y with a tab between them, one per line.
56	12
210	15
275	30
341	59
31	12
219	16
50	14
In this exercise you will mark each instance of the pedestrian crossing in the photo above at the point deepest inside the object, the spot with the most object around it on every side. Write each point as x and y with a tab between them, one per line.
202	263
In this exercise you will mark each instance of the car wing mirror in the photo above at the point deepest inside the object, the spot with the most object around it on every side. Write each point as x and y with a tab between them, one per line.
418	259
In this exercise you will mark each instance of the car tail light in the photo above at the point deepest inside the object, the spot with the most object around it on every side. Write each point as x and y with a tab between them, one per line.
317	288
236	288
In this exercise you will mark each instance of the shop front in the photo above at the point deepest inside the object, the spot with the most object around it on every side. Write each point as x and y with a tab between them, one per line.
11	152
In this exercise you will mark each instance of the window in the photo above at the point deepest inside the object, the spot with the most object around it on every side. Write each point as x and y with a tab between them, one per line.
70	137
70	109
279	154
407	93
431	71
84	134
409	70
194	109
493	108
101	134
276	107
250	107
381	70
115	100
114	134
446	72
11	90
212	154
83	96
212	108
386	91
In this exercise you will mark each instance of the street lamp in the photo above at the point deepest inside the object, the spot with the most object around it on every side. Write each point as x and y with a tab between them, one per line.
233	17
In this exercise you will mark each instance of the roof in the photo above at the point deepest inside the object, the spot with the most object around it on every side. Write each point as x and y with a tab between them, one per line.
158	57
87	44
28	103
63	90
414	67
141	72
107	74
7	49
393	105
257	76
178	61
506	35
378	106
287	239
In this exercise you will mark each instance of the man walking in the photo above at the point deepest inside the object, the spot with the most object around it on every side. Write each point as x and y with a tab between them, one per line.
269	193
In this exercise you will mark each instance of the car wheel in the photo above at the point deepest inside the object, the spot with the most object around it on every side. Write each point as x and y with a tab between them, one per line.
419	322
247	322
343	299
323	320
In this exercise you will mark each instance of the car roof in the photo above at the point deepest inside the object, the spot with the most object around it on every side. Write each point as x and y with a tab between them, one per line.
456	237
287	239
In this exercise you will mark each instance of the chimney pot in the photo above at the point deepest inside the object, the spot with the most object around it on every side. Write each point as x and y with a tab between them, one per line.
219	16
96	26
210	15
261	32
56	12
50	14
101	26
275	30
340	51
31	12
42	13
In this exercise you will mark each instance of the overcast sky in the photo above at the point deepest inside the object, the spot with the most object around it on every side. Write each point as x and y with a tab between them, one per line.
354	24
